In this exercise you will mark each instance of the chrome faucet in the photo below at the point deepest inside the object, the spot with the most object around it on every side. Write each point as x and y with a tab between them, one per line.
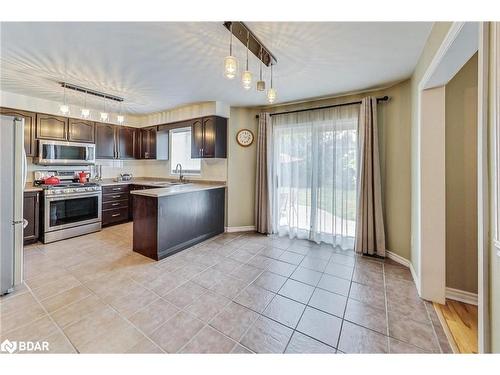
178	169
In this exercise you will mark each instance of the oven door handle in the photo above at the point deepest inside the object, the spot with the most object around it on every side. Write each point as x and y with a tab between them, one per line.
70	196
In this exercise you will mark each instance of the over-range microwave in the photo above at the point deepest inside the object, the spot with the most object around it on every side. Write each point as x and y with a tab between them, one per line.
65	153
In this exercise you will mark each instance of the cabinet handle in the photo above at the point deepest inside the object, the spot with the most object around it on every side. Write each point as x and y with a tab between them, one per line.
115	196
117	189
115	215
115	204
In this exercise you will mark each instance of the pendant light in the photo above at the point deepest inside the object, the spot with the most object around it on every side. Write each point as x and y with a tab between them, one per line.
271	93
230	62
85	113
261	84
104	114
64	108
246	77
120	118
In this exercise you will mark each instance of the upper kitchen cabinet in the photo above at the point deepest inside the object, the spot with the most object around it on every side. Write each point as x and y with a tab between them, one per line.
105	141
126	142
148	143
80	131
209	137
51	127
29	128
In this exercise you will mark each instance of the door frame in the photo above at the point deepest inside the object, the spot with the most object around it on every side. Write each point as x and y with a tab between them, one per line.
426	279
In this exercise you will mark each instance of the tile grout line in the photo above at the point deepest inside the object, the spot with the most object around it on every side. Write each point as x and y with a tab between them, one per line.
386	310
52	319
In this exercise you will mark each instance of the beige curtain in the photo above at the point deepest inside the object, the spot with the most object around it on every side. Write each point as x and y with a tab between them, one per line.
370	236
263	219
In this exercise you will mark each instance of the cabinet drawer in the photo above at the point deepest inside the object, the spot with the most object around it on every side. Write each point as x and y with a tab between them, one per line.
114	216
114	197
114	189
115	204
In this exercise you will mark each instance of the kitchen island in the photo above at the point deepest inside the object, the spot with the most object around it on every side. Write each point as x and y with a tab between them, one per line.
171	219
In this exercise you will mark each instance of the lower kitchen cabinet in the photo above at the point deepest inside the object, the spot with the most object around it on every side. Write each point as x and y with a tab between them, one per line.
115	200
131	198
31	213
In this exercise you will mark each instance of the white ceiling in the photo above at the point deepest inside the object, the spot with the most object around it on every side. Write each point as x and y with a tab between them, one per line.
158	66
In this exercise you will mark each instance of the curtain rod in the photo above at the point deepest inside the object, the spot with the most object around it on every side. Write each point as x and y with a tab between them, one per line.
382	99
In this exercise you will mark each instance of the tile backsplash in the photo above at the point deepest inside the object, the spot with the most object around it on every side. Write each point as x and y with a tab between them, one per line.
211	169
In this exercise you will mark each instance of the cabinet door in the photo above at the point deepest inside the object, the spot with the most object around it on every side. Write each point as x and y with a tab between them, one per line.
209	131
149	143
29	128
125	142
51	127
80	130
105	141
196	138
31	209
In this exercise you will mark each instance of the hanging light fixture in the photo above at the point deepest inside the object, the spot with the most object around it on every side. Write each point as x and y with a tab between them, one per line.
104	114
64	108
120	118
85	113
271	93
246	77
261	84
230	62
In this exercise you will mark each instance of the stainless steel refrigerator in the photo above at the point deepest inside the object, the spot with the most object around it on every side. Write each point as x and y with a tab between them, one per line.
12	181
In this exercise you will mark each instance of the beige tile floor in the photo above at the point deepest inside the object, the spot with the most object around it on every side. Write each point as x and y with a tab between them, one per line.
236	293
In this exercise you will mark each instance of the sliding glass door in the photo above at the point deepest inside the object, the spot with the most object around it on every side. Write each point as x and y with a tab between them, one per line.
315	172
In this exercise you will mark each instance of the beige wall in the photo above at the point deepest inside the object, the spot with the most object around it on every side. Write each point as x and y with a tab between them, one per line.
461	181
241	169
394	132
436	37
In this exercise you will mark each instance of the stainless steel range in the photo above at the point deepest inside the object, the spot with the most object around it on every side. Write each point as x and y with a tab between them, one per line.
70	209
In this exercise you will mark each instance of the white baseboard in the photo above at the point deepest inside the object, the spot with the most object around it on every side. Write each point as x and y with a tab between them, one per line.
416	280
248	228
397	258
461	295
405	262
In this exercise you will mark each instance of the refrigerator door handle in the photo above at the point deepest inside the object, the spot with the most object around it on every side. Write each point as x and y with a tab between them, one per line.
25	168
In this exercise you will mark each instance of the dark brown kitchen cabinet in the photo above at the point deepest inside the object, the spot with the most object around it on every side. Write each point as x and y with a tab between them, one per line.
29	128
115	199
131	198
80	131
31	212
105	141
148	143
209	137
51	127
126	142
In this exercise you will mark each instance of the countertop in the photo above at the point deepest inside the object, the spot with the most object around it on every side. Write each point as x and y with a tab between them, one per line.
30	187
139	181
178	189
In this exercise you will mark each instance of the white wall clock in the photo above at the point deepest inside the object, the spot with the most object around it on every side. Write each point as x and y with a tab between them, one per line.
244	137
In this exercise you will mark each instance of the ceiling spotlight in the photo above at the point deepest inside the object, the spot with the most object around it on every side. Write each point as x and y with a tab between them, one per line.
64	108
271	93
246	77
230	62
104	114
261	84
85	113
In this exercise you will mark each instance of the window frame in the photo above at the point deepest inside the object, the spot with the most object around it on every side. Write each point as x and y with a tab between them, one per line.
185	172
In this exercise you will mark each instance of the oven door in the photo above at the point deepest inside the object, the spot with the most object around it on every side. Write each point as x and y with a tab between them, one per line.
69	211
65	153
